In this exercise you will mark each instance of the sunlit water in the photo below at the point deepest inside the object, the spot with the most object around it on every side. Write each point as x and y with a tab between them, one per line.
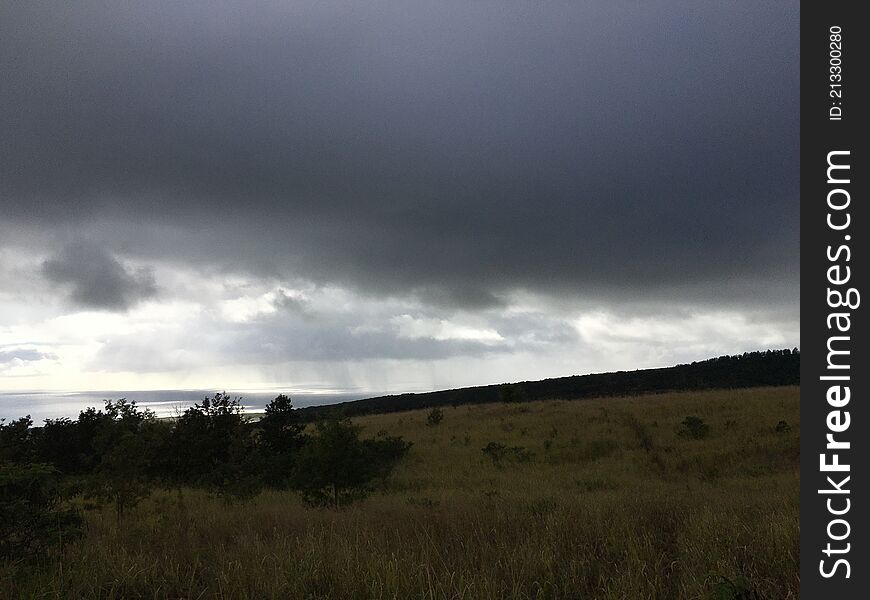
165	403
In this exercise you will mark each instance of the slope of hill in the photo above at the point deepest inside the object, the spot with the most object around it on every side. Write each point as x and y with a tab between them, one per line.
751	369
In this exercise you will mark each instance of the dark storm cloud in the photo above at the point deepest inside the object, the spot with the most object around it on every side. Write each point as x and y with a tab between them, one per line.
451	151
96	279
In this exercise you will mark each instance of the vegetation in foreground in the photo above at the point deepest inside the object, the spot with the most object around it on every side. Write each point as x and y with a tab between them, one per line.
686	495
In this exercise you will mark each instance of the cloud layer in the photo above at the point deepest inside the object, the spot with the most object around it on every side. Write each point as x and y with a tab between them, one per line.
96	279
438	163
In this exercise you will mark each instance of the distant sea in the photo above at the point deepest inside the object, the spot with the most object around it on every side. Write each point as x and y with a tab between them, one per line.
51	405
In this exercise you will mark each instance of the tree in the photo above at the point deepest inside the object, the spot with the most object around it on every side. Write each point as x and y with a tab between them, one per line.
124	443
280	427
203	435
16	441
280	439
215	448
335	467
60	442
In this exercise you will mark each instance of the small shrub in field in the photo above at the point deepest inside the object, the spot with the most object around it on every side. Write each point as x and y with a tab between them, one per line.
495	451
782	427
435	416
423	502
694	428
520	454
498	452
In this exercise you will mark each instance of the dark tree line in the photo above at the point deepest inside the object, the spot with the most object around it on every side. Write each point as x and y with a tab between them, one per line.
118	454
750	369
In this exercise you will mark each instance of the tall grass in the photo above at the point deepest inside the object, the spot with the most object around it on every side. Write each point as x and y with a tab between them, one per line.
613	503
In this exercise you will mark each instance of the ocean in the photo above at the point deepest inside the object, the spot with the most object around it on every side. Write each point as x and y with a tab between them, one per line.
42	405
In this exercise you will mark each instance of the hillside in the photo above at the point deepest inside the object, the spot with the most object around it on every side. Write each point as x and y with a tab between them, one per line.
752	369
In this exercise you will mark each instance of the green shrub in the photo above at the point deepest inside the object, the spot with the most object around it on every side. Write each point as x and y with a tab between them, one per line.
498	452
694	428
336	467
16	441
435	416
34	514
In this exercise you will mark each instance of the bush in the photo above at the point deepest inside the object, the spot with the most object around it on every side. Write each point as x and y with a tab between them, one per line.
694	428
498	452
435	416
335	467
34	514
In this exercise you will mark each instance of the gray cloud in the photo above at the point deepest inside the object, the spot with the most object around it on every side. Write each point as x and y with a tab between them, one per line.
276	341
96	279
449	152
24	355
292	304
351	334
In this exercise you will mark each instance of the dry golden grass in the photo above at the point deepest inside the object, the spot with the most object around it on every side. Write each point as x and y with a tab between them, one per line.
612	504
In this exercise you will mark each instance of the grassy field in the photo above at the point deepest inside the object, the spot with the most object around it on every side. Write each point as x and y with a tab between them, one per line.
605	499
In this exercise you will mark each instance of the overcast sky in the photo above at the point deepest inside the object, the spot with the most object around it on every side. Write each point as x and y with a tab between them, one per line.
392	196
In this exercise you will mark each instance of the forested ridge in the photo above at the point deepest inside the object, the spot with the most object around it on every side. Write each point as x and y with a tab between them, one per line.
750	369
